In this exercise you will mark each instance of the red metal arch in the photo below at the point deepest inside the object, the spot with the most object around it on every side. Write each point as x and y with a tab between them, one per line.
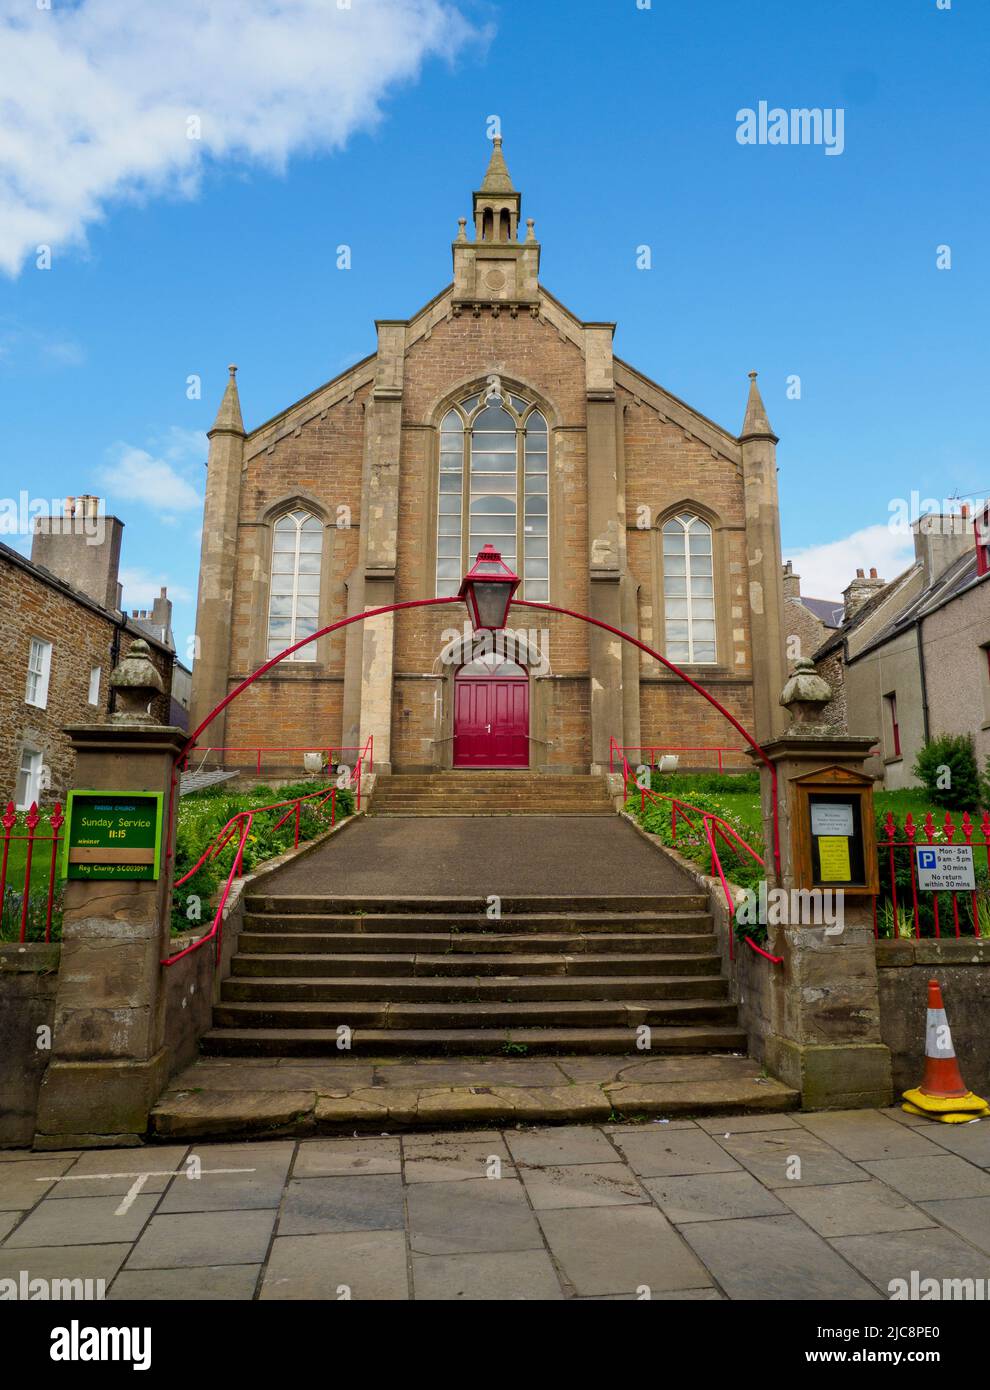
517	603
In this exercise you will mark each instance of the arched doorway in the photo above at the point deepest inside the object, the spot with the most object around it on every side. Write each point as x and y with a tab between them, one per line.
491	713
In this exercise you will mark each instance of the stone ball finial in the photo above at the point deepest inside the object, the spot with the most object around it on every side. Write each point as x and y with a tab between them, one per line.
136	683
806	693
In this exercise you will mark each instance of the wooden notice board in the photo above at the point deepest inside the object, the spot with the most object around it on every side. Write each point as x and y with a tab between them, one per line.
113	834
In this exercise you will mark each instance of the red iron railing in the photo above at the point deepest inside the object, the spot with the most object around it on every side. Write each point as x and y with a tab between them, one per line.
239	827
331	752
32	819
931	834
651	750
713	826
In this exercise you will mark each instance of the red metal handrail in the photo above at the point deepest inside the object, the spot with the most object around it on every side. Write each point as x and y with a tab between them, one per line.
32	820
653	748
223	838
678	807
890	844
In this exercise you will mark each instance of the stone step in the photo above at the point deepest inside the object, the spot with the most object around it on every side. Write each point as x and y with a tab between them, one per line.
419	966
456	989
565	1013
578	907
302	945
371	1042
310	924
460	812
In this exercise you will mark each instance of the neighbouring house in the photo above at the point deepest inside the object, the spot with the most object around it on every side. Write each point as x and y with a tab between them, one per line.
912	658
493	415
156	622
62	633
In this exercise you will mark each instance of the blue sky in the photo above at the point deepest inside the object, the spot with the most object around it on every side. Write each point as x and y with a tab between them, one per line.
620	129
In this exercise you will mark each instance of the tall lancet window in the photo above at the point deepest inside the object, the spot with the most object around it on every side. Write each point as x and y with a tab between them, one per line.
688	589
294	599
494	474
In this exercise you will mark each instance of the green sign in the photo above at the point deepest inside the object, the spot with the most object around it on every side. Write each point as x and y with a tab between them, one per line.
113	834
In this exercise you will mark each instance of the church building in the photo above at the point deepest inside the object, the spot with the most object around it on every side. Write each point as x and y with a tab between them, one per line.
494	415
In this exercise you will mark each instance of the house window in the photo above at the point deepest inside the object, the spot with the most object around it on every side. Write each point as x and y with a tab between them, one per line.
494	468
294	597
94	685
39	670
688	590
895	728
28	787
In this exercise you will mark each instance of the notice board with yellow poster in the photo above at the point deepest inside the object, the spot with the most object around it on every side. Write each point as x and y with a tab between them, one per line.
837	857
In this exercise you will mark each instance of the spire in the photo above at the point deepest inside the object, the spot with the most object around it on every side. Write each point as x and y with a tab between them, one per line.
756	425
498	178
229	414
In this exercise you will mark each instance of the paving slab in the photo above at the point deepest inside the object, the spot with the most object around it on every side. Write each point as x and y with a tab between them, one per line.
581	1185
688	1097
569	1144
933	1254
861	1134
662	1153
326	1158
233	1176
455	1162
970	1216
217	1112
850	1209
770	1156
970	1141
724	1125
22	1185
82	1221
364	1265
64	1262
495	1072
206	1284
499	1276
931	1179
646	1068
712	1197
314	1206
274	1077
774	1257
203	1238
8	1220
470	1217
621	1250
115	1173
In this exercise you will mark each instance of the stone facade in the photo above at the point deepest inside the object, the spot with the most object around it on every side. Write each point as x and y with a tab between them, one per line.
362	455
84	635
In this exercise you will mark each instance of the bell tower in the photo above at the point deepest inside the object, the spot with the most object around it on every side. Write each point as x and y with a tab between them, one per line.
496	267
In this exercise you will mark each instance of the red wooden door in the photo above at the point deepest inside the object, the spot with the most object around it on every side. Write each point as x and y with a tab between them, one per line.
491	723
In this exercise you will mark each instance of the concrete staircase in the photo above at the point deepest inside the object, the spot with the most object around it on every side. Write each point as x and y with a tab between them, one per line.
437	976
490	793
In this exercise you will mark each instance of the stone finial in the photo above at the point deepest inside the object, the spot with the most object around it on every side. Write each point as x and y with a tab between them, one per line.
229	417
136	683
462	229
805	695
530	229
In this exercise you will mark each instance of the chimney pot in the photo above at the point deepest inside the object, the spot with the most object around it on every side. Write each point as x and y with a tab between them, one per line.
873	573
860	574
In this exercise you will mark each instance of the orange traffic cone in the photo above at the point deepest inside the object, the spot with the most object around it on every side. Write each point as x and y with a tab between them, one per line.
942	1095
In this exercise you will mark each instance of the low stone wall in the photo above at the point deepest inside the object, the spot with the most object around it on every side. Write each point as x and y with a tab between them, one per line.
747	972
28	976
962	968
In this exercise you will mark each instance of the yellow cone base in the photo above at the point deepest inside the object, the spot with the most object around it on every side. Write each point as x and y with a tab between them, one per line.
965	1119
945	1105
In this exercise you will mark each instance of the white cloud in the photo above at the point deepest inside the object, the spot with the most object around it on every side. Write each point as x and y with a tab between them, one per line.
98	99
826	569
141	588
134	475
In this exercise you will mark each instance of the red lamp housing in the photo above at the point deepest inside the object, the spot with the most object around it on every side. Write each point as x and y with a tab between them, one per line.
487	589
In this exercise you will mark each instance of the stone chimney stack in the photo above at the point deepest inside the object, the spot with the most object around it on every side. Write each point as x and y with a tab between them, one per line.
82	546
792	581
860	591
940	539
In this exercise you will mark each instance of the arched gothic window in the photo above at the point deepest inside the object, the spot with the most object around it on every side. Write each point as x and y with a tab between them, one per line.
494	471
294	597
688	589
